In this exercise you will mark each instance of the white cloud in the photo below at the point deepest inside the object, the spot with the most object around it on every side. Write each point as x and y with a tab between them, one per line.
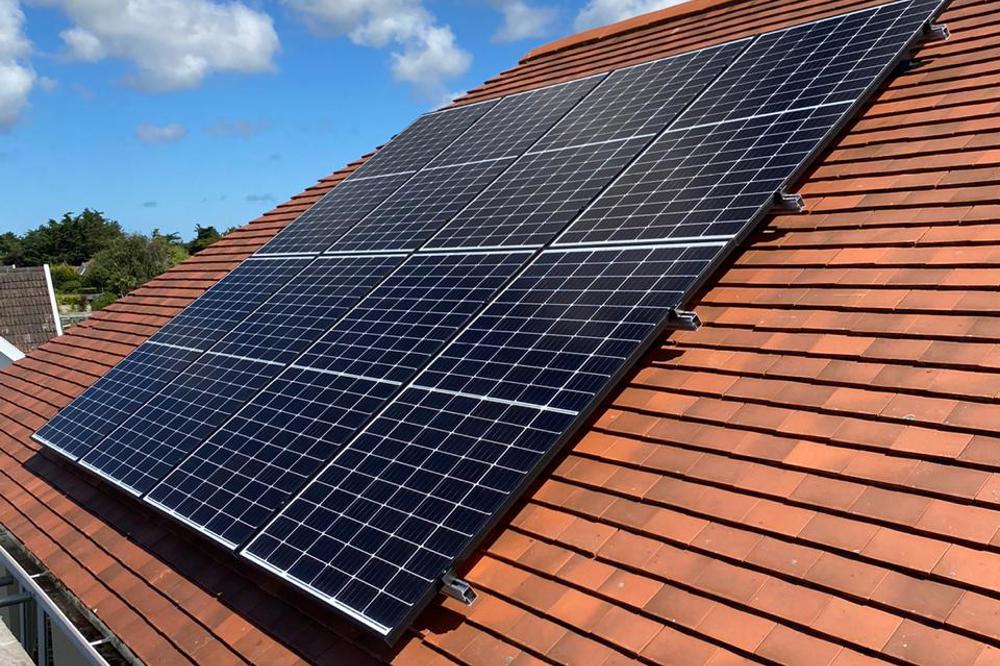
47	84
170	133
238	127
173	44
424	53
523	21
602	12
16	77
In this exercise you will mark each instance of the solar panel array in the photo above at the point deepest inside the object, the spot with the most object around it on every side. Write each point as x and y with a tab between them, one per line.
354	406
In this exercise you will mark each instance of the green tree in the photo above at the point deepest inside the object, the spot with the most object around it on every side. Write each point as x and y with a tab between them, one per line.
175	246
128	263
10	248
72	240
65	279
203	237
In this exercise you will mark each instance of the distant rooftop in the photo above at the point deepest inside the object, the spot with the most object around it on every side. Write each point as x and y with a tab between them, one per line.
28	314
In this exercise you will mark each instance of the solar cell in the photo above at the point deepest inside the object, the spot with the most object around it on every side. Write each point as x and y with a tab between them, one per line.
533	200
302	310
516	123
396	329
704	183
556	334
230	485
183	414
219	310
419	208
829	61
417	145
333	215
233	483
109	401
642	99
387	518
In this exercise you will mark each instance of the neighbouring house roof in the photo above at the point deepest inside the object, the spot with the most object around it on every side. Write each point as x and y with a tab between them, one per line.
28	312
811	477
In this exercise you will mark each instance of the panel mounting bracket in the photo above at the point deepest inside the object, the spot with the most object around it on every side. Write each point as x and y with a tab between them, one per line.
785	202
937	32
683	320
458	589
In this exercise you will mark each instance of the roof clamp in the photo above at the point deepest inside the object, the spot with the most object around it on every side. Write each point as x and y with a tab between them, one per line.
458	589
785	202
937	32
683	320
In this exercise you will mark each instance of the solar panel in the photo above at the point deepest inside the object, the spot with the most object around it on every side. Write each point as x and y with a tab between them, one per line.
226	304
183	414
419	208
705	183
829	61
229	486
115	396
397	328
333	215
642	99
376	530
233	483
301	311
516	123
534	199
564	326
420	142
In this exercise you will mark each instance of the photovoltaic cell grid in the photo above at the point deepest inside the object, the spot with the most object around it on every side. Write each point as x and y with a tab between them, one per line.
305	308
229	486
562	328
703	183
517	122
710	174
830	61
333	215
395	330
421	141
229	302
388	517
233	483
533	200
114	397
153	439
641	100
419	208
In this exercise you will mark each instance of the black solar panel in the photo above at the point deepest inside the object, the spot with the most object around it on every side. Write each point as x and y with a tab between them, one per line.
229	486
561	329
516	123
394	331
233	483
830	61
151	441
418	209
705	183
229	302
417	145
114	397
534	199
334	215
306	307
374	533
643	99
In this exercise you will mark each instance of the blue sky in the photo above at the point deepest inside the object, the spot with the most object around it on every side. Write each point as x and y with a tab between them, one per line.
168	113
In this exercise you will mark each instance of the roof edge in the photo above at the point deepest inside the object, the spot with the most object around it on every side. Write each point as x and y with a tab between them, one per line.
624	26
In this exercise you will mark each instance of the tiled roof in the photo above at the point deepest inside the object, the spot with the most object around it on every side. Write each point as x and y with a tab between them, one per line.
812	477
27	309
